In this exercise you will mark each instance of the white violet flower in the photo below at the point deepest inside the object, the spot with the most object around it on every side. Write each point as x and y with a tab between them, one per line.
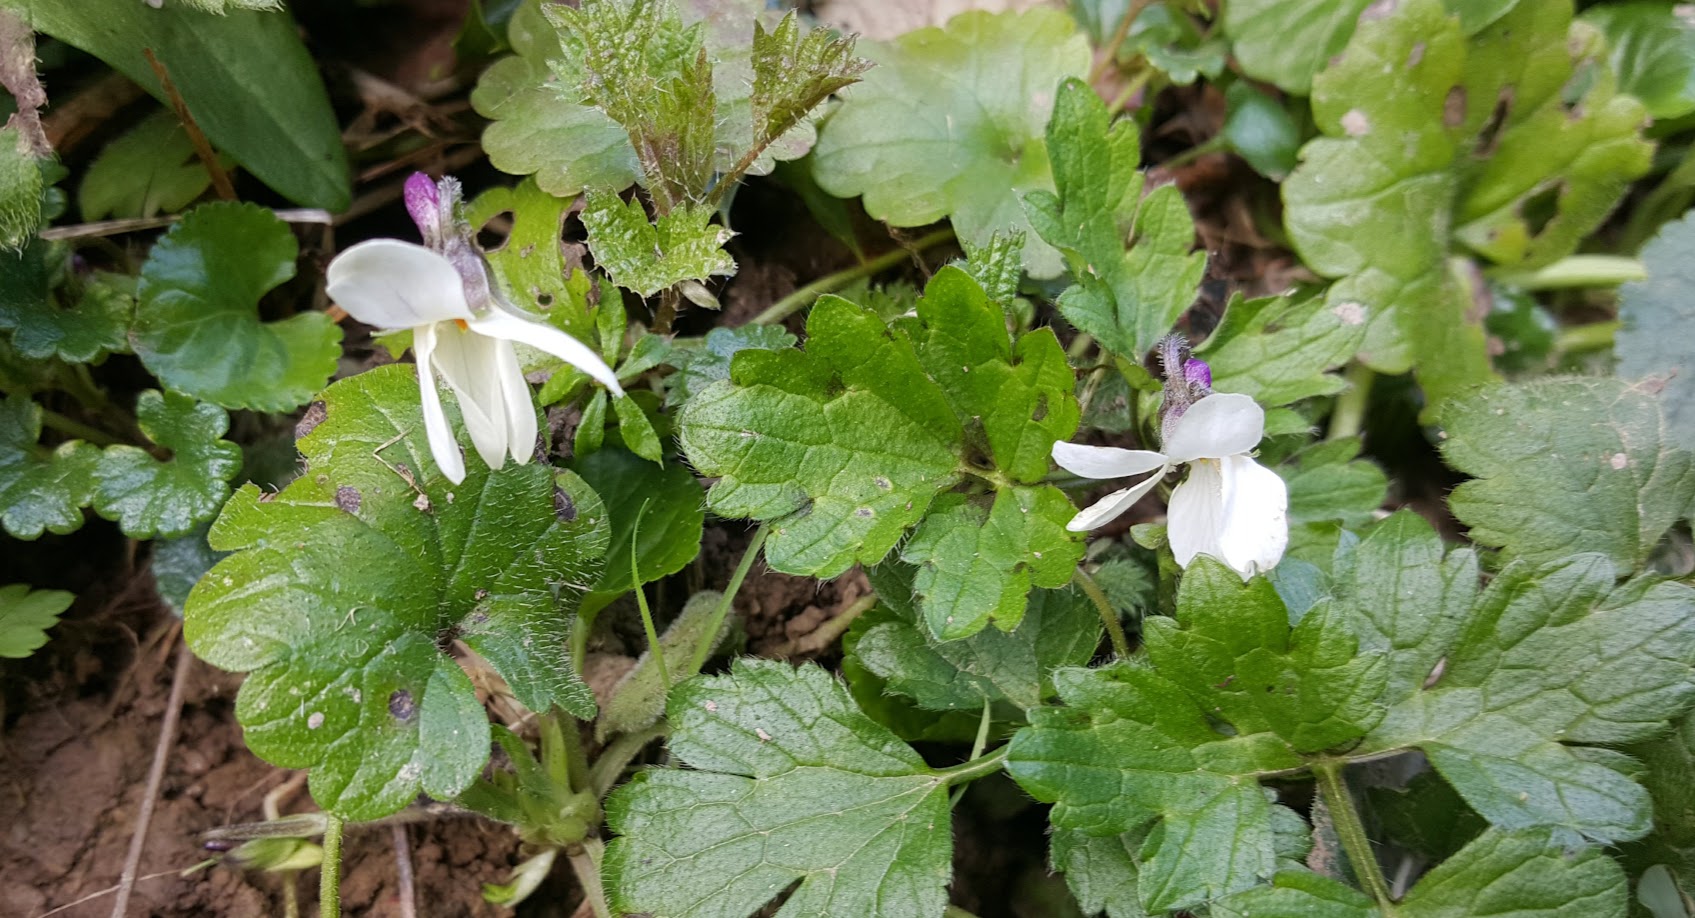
462	328
1230	507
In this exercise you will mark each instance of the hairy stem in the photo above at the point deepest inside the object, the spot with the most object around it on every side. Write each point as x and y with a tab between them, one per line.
803	297
1109	615
611	762
329	877
1334	790
708	638
980	767
585	863
977	744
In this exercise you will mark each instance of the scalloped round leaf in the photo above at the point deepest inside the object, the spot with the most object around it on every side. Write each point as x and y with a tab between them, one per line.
44	325
150	498
198	328
40	489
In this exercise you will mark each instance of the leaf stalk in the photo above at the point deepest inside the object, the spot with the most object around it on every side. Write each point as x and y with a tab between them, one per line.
794	302
1109	615
1349	828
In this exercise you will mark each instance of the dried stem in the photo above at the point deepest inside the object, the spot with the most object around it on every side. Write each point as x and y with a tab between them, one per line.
202	147
155	778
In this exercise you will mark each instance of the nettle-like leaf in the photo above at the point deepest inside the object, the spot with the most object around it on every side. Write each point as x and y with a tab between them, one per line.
1568	465
152	498
1279	349
40	489
702	365
25	616
1652	49
1654	315
648	257
950	124
845	446
197	325
21	187
789	785
1126	299
78	322
345	587
793	72
1474	149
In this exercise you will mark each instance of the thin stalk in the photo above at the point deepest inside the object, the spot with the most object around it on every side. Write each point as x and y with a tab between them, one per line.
403	872
719	614
977	744
1109	52
1213	145
654	648
586	865
155	778
1351	831
1137	83
576	759
197	138
53	420
1595	336
1079	346
980	767
1348	419
1109	615
329	877
1576	271
797	300
617	755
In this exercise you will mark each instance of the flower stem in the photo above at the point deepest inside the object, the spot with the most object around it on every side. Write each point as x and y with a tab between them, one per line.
977	744
1348	419
329	878
1351	831
586	865
803	297
1578	271
53	420
980	767
708	637
1109	615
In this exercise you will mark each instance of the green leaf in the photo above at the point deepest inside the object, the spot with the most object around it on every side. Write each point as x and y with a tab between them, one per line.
1328	483
1472	151
1059	628
636	430
648	257
1287	43
150	169
1652	49
224	6
699	367
789	783
1567	465
1101	870
668	500
178	564
949	124
150	498
1279	349
1653	315
79	321
1427	816
1126	299
793	73
638	700
347	675
40	489
1260	130
197	326
531	265
247	77
25	616
1669	775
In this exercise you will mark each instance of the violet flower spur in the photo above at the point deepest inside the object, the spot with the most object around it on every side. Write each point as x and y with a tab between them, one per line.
463	328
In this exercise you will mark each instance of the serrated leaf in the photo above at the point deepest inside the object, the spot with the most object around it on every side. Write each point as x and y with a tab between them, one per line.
1653	315
793	73
898	713
25	616
151	169
667	499
346	672
701	366
1100	870
1058	628
150	498
789	784
1652	49
1126	299
1279	349
1567	465
1327	482
40	489
78	322
1471	151
949	124
197	323
530	266
638	700
648	257
998	266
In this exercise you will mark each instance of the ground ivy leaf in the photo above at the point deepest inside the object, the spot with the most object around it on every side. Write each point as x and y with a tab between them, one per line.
197	326
1327	482
1278	349
1653	52
48	319
949	124
40	489
649	257
25	616
668	500
178	563
709	362
1654	314
151	498
1059	628
1126	300
346	676
1567	465
1100	870
789	783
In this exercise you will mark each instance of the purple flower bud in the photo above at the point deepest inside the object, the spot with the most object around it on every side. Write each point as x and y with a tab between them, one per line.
423	202
1197	374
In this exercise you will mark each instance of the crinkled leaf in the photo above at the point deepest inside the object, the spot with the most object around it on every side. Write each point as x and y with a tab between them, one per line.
1652	49
40	489
668	501
897	712
1279	349
1669	775
794	72
78	321
1567	465
347	675
152	168
638	700
789	785
1126	299
151	498
703	365
997	266
197	325
1327	482
1656	315
25	616
1100	870
949	124
648	257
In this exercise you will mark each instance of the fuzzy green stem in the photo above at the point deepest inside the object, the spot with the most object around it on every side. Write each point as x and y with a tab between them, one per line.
803	297
53	420
980	767
329	877
1349	417
1595	336
1351	831
586	865
1109	615
575	758
617	755
977	744
1578	271
709	636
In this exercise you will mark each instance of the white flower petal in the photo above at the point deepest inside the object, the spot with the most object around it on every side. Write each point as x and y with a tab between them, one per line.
469	363
1105	461
1233	509
442	445
1222	424
498	324
392	284
1108	508
520	410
